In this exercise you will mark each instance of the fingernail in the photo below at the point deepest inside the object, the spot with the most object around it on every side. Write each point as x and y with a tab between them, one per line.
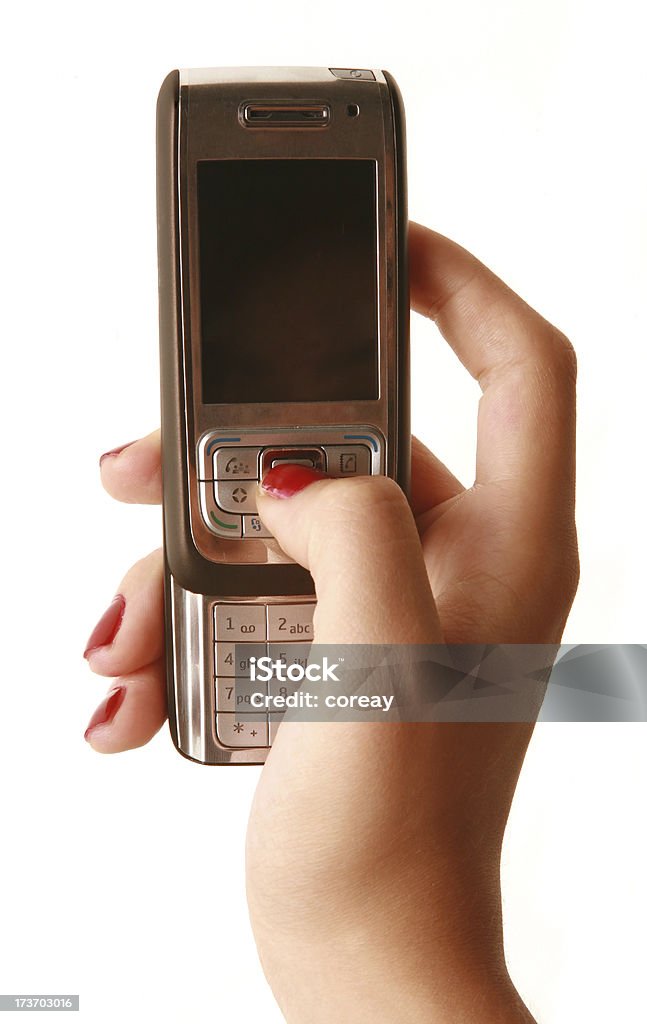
115	451
108	625
285	480
106	710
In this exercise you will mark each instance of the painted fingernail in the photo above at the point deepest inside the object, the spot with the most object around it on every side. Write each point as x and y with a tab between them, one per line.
114	451
108	625
285	480
106	710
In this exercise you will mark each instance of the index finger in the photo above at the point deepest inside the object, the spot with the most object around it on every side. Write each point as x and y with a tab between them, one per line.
526	369
133	472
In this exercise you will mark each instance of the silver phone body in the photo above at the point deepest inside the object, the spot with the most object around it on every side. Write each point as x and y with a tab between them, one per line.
226	581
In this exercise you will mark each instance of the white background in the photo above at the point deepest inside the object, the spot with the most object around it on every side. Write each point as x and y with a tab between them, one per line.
121	878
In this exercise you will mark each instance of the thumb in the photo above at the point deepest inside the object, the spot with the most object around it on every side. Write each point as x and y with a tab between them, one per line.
358	539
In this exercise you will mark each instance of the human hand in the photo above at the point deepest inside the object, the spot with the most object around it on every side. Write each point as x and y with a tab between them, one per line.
373	850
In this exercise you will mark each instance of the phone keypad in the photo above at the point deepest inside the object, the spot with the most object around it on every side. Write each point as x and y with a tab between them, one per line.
253	527
229	469
225	524
289	622
236	496
282	632
234	733
314	458
240	622
232	659
348	460
236	463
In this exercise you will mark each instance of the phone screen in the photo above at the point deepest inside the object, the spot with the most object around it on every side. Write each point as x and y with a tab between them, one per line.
288	280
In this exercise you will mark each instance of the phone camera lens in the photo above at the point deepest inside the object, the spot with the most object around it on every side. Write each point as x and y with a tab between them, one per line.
352	110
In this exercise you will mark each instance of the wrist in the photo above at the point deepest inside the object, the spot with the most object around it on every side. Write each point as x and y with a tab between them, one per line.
371	892
362	978
419	946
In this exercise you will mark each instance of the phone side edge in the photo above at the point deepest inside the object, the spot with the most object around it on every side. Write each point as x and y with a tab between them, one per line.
403	305
169	319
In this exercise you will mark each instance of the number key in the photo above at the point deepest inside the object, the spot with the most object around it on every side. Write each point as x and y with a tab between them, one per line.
236	695
239	622
232	659
290	621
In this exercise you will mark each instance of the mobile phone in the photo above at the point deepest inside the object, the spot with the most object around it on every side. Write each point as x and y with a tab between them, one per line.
284	331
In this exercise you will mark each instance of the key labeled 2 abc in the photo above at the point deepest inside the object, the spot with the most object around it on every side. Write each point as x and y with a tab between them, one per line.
290	621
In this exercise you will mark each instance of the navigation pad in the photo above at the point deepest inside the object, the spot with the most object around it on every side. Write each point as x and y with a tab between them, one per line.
230	468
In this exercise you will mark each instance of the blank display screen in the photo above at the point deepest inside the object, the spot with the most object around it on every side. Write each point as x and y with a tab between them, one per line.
288	280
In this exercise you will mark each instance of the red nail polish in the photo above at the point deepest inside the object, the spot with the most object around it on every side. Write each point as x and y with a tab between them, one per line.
108	625
285	480
106	710
115	451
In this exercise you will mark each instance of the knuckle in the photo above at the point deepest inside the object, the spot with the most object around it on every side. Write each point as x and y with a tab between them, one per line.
566	351
366	494
571	572
565	577
561	356
145	571
364	510
550	368
559	575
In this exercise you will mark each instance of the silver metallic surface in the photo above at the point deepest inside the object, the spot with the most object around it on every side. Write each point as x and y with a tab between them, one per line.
235	694
225	693
297	456
358	74
263	445
193	703
240	621
292	461
247	734
232	464
274	722
252	440
236	496
292	652
253	527
348	460
222	523
290	621
193	696
232	659
209	128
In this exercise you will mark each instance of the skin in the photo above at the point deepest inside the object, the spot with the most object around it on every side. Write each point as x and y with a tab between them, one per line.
373	850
